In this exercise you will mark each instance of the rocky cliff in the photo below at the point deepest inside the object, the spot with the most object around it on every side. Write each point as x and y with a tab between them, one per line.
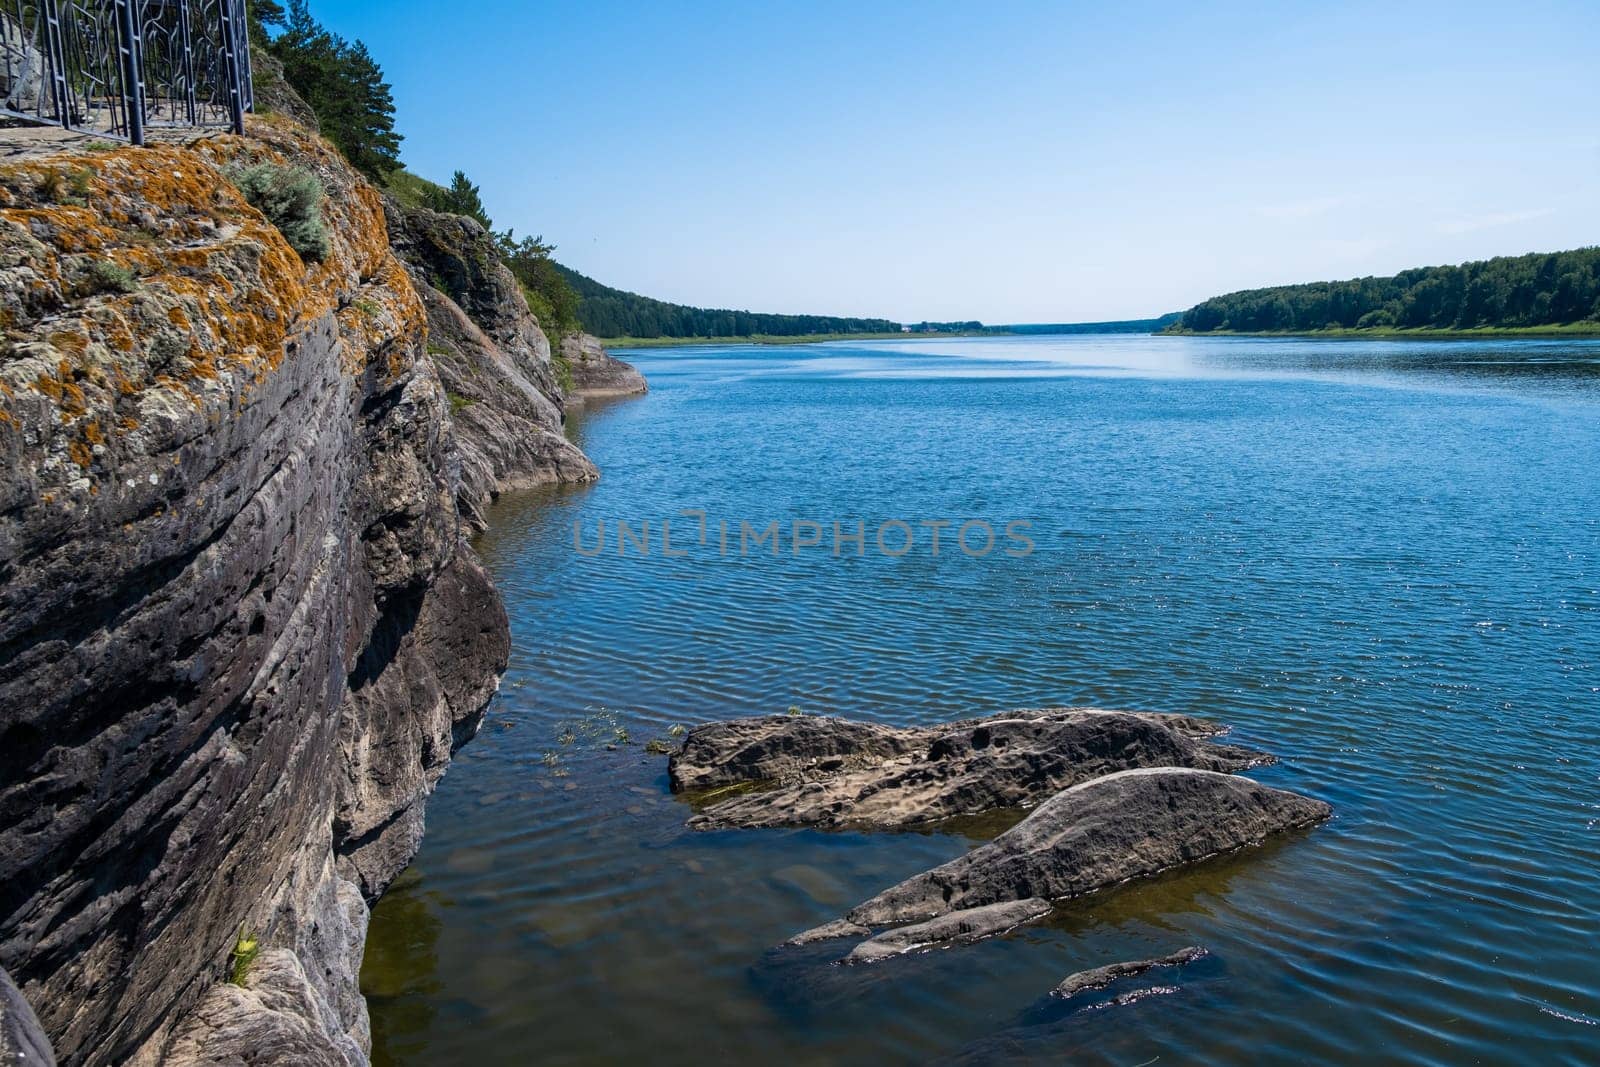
241	632
597	373
492	357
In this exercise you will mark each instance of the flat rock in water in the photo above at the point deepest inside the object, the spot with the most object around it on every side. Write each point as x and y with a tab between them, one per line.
1131	824
959	927
1100	977
830	772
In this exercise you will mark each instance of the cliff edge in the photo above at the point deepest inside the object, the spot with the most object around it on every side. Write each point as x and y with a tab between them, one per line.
492	357
241	631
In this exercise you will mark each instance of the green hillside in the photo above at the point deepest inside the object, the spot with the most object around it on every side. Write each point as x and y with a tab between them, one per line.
1534	291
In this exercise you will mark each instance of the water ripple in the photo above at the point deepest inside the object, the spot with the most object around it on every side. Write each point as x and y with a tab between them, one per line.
1378	561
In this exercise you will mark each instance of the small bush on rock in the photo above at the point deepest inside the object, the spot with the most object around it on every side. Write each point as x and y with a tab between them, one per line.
104	276
245	951
51	185
291	199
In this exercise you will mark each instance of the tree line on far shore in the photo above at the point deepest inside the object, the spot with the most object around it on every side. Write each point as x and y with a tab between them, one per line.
608	312
1541	289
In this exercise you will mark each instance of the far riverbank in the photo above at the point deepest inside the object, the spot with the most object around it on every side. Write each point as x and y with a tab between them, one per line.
772	339
1568	331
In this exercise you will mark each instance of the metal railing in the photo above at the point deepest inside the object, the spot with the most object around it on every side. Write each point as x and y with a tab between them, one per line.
116	68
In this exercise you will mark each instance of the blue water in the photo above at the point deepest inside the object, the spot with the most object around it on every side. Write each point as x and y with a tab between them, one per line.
1379	560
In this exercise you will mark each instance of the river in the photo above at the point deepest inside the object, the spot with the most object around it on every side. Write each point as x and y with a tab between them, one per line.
1379	560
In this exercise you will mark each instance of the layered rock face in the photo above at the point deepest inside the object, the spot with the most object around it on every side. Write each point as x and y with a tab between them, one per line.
22	1039
240	631
492	356
596	372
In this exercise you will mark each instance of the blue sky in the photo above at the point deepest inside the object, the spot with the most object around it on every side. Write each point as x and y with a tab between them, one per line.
1012	162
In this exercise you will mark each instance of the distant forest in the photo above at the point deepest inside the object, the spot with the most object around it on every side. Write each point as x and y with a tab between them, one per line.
1119	326
1542	289
608	312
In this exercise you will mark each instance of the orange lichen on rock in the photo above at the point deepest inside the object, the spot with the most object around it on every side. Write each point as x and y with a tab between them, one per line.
158	278
70	341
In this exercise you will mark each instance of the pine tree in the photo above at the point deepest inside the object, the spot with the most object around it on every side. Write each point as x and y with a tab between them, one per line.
264	13
344	86
462	198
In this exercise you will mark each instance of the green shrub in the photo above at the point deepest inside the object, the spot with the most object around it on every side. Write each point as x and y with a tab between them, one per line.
245	951
291	199
412	190
51	185
550	297
104	276
563	369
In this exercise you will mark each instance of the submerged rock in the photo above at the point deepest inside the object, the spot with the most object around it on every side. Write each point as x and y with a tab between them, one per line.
829	932
837	773
961	927
1131	824
1100	977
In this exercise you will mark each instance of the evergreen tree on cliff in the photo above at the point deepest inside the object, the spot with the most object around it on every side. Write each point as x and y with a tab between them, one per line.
462	198
344	86
265	13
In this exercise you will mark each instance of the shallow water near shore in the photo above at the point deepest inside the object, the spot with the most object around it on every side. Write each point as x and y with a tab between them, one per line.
1378	560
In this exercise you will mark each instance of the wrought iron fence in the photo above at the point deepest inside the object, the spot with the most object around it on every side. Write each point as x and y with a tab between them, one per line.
119	67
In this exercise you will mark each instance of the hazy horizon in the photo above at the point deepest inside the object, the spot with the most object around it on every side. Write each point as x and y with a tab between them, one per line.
1029	164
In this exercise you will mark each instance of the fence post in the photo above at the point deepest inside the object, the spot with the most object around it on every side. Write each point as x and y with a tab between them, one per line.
56	50
185	31
248	79
230	59
132	54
